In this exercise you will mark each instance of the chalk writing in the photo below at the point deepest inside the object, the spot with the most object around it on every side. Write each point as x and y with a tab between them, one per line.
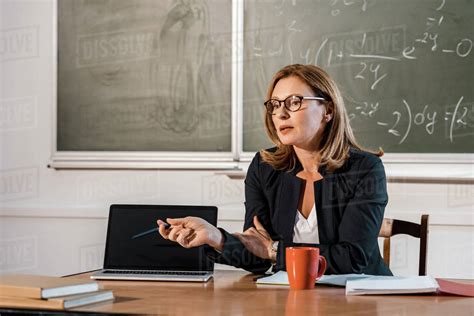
373	68
431	37
426	117
337	5
368	109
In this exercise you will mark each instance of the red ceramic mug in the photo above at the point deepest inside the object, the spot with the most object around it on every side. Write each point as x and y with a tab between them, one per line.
304	266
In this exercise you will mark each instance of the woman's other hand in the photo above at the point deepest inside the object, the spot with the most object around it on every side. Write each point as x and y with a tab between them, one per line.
192	232
257	240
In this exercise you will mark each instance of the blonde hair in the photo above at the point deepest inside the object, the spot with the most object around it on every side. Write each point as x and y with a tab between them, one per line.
337	137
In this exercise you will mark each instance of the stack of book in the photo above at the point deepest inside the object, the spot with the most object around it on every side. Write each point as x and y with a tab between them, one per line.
46	292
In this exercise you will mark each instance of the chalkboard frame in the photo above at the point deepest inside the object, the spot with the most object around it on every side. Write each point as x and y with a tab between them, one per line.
453	165
61	159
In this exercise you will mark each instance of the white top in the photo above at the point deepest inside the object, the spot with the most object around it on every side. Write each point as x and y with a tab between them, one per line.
306	229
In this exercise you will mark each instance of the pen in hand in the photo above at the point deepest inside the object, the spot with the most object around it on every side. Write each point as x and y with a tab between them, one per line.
150	231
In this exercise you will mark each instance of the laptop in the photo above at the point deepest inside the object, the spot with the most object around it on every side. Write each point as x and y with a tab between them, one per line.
150	256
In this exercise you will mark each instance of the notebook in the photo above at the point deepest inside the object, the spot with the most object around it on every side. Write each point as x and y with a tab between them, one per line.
456	287
151	257
392	285
39	286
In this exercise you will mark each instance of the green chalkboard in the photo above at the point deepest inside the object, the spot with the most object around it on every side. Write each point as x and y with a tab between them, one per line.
405	68
144	75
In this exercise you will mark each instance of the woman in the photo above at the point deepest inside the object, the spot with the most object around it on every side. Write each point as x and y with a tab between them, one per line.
317	187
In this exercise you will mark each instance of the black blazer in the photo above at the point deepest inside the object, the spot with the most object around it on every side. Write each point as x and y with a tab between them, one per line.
350	204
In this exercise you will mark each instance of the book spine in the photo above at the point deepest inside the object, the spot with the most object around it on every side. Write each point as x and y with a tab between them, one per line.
22	302
21	291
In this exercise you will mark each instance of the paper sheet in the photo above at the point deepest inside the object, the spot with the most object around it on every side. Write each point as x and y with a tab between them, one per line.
281	278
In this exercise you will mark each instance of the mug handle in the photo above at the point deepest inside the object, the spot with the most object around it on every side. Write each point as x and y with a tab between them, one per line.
322	267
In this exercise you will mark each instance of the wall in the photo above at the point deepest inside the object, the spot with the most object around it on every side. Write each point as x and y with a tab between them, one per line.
54	222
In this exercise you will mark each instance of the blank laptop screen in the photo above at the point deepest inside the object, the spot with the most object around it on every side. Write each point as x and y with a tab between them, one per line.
152	252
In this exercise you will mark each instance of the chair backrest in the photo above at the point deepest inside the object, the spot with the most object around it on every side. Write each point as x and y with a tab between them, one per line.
391	227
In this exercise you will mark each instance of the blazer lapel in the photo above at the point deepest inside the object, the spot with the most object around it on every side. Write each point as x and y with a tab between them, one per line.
322	194
288	204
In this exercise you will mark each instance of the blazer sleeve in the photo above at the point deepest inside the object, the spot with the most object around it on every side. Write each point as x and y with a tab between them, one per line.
234	252
359	226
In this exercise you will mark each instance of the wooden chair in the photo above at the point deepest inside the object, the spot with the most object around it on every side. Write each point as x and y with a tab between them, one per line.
392	227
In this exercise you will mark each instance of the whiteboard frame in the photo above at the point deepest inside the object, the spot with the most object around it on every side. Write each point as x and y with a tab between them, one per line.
427	166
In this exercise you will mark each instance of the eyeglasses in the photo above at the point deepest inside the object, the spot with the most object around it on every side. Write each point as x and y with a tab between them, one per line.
292	103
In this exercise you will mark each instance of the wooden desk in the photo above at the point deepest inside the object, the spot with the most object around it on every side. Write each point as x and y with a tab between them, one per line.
235	293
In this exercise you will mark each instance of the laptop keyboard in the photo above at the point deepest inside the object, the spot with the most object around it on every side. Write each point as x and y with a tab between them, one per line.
198	273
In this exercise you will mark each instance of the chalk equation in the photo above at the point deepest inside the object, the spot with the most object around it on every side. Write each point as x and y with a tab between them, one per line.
431	38
456	119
